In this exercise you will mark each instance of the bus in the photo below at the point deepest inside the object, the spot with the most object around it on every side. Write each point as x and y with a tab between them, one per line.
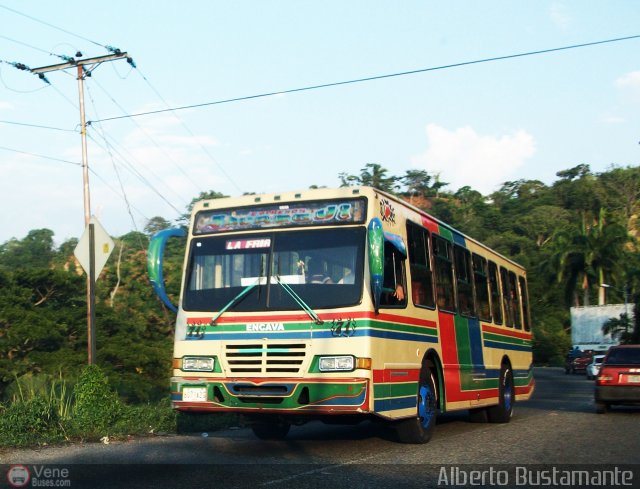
342	305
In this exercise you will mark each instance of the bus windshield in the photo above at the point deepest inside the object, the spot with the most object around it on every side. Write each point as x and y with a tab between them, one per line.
323	266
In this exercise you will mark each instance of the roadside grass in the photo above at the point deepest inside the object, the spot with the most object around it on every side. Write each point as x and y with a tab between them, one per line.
44	410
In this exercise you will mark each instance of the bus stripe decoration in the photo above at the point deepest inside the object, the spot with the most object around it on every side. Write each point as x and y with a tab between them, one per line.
347	304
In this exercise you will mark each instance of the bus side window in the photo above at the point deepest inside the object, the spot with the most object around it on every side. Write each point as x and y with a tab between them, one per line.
496	300
394	286
507	297
443	265
517	315
480	279
464	285
420	266
525	303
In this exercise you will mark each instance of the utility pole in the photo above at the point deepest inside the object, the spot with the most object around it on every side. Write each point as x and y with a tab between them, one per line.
85	67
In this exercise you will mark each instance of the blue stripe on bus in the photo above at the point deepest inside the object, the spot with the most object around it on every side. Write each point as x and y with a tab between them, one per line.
459	239
506	346
475	340
396	403
302	335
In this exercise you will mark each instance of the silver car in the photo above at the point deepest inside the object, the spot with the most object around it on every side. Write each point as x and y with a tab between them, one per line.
594	367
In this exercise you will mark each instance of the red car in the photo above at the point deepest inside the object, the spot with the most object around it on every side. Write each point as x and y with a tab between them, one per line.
579	365
619	379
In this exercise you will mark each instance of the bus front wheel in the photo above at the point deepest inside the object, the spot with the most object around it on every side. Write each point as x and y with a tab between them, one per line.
420	428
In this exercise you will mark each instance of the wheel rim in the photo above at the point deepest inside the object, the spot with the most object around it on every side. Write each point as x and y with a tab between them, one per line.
426	405
508	393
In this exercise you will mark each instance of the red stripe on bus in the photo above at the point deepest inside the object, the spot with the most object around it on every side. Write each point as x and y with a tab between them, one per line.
430	224
324	316
516	334
395	375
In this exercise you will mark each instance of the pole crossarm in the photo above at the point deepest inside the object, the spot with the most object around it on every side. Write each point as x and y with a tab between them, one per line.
79	62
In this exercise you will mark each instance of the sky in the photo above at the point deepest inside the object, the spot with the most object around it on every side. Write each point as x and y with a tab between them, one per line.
478	124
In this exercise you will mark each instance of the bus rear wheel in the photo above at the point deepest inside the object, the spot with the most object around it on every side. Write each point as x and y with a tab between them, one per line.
420	428
504	410
276	430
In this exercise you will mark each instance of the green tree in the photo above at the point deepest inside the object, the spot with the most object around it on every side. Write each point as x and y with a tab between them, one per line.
36	250
372	175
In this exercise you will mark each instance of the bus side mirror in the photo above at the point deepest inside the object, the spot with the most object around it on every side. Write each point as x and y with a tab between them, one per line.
376	260
155	260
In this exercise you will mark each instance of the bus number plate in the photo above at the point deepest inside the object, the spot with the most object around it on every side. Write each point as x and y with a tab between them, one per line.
633	379
194	394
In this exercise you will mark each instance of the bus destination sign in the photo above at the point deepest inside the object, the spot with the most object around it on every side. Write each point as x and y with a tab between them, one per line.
281	215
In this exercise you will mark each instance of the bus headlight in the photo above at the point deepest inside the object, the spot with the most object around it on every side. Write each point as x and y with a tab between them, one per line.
337	363
197	364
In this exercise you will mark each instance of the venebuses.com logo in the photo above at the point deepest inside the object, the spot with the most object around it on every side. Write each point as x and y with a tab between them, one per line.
18	476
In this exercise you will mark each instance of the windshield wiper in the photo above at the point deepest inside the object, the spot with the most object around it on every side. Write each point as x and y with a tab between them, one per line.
299	301
240	295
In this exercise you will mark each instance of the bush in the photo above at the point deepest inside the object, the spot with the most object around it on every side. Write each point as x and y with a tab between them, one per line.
29	422
146	418
97	407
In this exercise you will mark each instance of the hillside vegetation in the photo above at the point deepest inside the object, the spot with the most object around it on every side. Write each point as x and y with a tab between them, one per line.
573	235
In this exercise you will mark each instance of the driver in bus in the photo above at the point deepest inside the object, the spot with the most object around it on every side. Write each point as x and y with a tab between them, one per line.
316	274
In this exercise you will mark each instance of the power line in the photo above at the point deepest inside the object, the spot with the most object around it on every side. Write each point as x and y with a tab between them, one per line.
141	177
373	78
52	26
204	149
40	156
153	141
38	126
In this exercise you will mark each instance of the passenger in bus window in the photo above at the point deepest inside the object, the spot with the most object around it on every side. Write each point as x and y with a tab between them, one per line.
348	278
393	285
316	274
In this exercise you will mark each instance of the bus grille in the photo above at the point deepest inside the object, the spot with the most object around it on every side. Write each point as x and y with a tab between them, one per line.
265	358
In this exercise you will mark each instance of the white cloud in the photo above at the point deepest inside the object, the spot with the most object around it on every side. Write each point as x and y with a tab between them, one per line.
560	16
613	119
464	157
629	84
4	105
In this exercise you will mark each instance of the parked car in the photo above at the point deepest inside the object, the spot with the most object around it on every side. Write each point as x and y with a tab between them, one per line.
594	367
574	353
619	379
579	364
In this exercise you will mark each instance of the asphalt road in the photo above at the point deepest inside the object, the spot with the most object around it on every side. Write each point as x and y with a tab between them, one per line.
557	426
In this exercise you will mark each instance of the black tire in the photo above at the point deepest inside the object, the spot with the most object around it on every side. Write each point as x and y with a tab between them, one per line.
507	392
271	431
420	429
601	407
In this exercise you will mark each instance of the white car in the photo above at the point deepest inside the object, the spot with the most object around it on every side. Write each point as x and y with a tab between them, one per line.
594	367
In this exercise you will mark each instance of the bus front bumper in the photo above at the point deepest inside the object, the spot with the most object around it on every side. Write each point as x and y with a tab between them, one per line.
311	396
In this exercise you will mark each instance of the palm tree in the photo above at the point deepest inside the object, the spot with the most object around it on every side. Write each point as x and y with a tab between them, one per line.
619	328
586	256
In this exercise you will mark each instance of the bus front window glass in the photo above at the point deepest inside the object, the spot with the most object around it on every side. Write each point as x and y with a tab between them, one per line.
220	267
323	266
